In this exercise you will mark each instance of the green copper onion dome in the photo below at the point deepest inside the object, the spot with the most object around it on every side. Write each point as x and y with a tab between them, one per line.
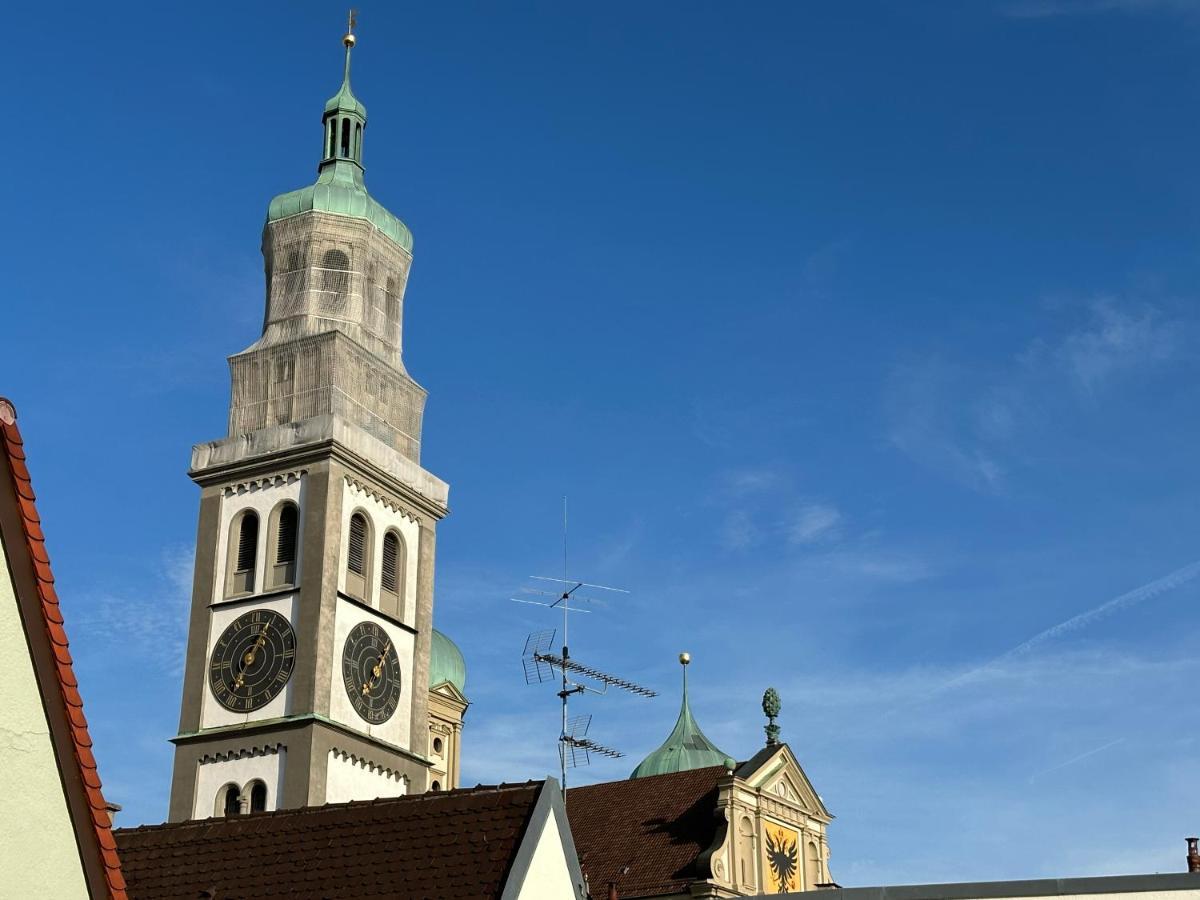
686	748
339	188
446	663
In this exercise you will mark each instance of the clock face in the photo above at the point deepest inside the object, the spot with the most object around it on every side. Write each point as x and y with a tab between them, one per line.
371	672
252	660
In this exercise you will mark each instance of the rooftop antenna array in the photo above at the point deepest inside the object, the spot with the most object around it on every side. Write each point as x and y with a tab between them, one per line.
542	664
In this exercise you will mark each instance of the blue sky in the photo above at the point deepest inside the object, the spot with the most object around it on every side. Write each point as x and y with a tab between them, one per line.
861	336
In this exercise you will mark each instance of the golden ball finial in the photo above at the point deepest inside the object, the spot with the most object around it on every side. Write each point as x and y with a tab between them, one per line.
348	40
685	658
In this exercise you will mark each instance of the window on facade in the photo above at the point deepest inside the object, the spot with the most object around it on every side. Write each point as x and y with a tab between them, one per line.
332	137
357	557
285	536
335	277
358	142
243	552
258	797
437	745
345	137
812	874
391	574
436	786
233	801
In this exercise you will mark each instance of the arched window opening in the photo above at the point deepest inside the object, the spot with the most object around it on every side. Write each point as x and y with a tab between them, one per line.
358	142
391	574
436	786
357	557
285	540
244	552
335	276
258	797
332	138
233	801
345	137
813	874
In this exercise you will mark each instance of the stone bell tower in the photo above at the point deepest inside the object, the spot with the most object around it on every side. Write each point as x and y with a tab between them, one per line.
307	671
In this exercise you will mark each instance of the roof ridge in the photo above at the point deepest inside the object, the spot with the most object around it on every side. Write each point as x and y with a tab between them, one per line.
13	447
344	804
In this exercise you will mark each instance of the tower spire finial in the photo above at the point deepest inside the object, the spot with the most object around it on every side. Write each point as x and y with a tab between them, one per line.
348	39
771	707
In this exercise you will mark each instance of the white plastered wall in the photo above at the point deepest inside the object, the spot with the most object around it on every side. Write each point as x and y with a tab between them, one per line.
549	877
395	730
382	516
349	777
263	764
262	497
38	853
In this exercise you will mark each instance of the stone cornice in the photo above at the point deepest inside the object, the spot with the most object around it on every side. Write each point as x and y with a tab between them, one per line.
258	484
380	497
242	753
371	766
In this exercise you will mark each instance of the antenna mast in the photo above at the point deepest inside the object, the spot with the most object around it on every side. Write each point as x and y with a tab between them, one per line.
542	664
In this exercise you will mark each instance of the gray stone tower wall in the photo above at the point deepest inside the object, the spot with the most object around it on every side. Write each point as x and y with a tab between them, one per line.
323	396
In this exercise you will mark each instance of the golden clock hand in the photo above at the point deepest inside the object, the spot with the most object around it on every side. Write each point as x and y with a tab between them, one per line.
377	670
248	659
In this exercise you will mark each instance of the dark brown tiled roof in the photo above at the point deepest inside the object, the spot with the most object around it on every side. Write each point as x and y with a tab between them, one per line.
438	845
645	833
38	605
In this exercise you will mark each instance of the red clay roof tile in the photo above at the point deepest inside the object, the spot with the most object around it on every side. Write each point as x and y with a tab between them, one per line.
458	844
12	447
645	834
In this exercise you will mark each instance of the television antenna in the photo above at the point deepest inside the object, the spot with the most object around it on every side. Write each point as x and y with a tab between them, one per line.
542	664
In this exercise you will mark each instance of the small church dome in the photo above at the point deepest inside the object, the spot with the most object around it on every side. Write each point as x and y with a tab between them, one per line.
686	747
446	663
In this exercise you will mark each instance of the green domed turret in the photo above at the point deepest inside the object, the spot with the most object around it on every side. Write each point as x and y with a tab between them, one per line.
339	188
446	663
686	747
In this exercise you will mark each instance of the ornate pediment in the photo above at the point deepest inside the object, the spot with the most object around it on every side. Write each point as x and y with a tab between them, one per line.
447	689
776	774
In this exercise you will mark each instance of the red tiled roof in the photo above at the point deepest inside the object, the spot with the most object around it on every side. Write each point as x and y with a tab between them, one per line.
52	661
645	833
458	844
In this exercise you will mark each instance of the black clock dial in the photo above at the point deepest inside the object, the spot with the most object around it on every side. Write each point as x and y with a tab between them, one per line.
252	660
371	672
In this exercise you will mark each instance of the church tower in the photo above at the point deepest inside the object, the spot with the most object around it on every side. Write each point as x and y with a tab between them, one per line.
307	675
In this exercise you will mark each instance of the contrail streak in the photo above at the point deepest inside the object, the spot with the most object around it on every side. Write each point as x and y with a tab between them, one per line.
1138	595
1075	759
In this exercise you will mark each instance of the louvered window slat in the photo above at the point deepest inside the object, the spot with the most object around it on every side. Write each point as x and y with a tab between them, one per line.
358	545
285	546
391	564
247	543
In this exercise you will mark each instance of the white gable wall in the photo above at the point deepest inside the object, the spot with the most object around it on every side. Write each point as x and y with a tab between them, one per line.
38	853
548	877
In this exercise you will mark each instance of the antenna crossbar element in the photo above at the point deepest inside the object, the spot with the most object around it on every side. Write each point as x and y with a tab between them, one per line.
549	605
579	584
570	665
578	745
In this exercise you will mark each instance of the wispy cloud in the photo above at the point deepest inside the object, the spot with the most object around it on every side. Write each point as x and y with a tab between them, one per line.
923	404
967	420
1168	582
1115	341
1076	759
153	618
814	522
